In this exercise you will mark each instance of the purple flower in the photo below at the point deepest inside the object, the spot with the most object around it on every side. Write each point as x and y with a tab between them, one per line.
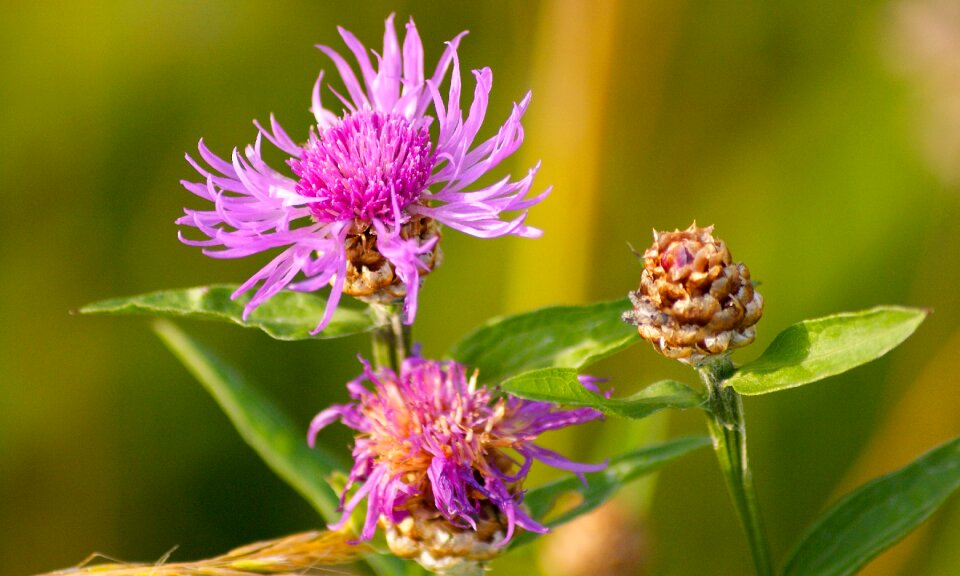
369	186
431	438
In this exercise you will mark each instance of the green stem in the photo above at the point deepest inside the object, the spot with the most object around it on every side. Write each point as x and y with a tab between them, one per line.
391	339
726	423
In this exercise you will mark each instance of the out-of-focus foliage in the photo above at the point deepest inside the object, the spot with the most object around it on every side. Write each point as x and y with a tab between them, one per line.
267	430
876	515
802	131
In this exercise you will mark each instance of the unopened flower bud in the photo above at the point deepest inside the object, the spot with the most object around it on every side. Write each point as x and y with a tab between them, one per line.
693	301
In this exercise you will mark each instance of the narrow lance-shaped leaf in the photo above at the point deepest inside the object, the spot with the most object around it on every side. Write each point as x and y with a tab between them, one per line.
562	336
877	515
815	349
602	485
286	316
560	385
280	443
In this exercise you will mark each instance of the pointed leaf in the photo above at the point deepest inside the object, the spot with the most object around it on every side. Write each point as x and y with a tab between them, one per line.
602	485
281	444
286	316
562	336
560	385
877	515
815	349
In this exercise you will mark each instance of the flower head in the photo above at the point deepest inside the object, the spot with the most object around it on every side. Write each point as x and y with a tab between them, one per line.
694	301
361	207
435	448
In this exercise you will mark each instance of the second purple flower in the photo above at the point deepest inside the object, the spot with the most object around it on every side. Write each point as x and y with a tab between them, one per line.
370	186
441	460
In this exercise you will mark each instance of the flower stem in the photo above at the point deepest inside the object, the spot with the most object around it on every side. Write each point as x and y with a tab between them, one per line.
726	423
391	339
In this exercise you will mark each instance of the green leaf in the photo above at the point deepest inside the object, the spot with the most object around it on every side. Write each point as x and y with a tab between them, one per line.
281	444
286	316
560	385
815	349
601	485
562	336
877	515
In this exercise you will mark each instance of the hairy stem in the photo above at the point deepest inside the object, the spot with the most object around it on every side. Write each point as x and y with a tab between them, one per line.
727	428
391	339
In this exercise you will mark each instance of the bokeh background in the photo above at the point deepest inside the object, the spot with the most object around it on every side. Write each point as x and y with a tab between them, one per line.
822	139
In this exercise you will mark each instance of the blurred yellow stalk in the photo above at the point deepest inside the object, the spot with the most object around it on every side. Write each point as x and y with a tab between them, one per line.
565	124
566	128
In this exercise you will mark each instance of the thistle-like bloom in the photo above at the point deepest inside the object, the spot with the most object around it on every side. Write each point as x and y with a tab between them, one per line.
434	446
369	187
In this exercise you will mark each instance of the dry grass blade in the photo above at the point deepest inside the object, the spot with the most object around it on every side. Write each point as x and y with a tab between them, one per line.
303	553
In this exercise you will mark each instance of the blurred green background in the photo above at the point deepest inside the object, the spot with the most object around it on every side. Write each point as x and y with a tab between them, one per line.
820	137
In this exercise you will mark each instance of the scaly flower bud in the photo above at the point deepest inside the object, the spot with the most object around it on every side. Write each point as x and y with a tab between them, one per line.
693	301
